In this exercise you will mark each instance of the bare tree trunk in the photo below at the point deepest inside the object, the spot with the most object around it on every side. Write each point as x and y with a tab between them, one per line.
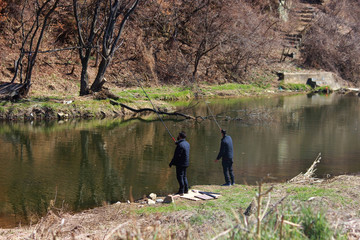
196	64
32	56
109	31
99	80
85	45
84	79
33	37
111	41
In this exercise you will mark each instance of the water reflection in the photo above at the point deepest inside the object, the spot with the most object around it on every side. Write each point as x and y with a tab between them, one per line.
88	163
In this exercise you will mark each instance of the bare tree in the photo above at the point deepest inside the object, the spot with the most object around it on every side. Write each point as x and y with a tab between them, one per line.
206	40
108	19
211	31
86	39
192	29
331	43
250	43
32	33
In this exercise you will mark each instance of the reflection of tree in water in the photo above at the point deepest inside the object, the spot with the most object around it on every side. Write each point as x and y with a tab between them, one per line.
110	179
88	193
28	200
26	195
21	142
86	175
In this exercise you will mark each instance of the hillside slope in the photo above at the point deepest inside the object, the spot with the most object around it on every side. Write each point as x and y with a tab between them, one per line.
179	43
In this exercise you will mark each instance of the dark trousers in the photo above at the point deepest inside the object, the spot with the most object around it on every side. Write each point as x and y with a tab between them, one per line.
181	177
228	170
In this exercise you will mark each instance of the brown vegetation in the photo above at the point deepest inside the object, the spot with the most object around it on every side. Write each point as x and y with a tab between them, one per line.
184	42
332	41
209	41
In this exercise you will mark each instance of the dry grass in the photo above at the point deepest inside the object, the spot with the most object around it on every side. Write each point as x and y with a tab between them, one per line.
203	220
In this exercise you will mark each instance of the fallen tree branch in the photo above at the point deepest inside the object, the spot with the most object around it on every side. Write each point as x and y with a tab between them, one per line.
159	112
309	173
11	91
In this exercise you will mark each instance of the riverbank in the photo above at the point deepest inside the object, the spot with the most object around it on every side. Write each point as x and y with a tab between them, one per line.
107	103
292	210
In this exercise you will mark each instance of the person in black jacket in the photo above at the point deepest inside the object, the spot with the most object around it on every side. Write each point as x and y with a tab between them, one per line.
181	161
226	153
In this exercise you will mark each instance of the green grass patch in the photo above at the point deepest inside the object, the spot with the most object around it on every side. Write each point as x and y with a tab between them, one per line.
295	86
315	225
235	86
232	197
45	99
50	105
164	208
164	93
323	90
304	193
176	93
197	219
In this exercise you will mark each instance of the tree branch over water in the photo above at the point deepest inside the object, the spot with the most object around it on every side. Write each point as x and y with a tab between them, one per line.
159	111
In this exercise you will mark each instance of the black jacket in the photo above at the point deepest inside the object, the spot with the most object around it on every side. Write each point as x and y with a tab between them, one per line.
226	149
181	155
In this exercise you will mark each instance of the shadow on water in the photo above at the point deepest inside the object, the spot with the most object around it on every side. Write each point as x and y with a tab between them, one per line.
90	163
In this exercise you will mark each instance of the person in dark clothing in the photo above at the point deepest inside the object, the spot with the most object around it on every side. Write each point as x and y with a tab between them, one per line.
181	161
226	153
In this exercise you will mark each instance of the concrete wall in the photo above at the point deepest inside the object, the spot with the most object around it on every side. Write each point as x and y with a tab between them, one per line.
321	79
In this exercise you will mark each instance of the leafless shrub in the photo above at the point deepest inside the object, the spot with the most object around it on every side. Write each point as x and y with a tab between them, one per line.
331	43
197	41
251	43
270	6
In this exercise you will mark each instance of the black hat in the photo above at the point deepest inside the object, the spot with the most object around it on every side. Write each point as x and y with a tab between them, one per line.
223	131
182	134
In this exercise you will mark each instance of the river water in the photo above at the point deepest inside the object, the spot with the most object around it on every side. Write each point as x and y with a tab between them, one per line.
83	164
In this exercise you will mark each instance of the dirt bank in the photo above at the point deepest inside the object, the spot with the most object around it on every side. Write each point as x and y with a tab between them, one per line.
337	199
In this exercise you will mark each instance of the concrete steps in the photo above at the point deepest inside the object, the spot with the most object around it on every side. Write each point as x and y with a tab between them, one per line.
300	18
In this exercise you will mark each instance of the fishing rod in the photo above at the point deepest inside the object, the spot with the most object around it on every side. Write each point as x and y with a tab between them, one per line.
213	116
156	111
210	110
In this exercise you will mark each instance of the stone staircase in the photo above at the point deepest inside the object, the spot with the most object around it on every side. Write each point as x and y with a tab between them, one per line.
300	19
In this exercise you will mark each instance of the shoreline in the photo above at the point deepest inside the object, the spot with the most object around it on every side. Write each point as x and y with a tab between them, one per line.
107	104
40	108
196	218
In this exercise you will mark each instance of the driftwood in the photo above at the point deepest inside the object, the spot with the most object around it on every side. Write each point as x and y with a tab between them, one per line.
11	91
309	175
159	111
